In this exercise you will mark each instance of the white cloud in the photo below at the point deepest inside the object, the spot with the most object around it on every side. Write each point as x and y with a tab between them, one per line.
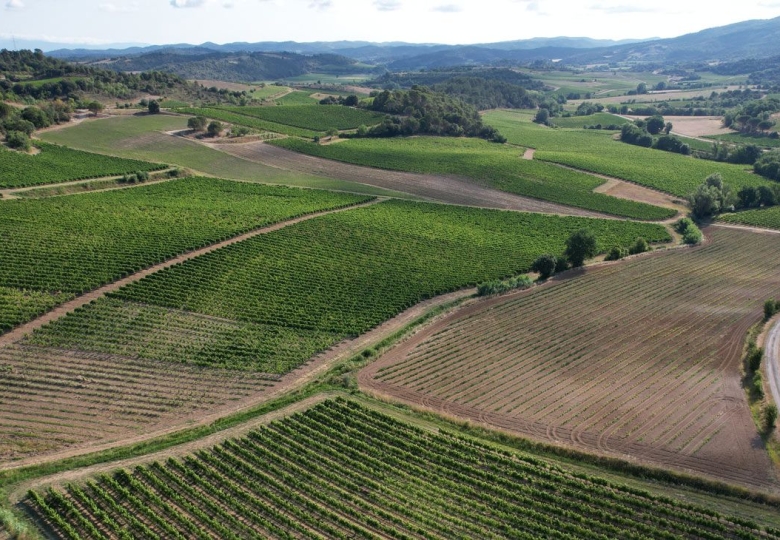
187	3
622	8
14	4
113	7
448	8
387	5
320	4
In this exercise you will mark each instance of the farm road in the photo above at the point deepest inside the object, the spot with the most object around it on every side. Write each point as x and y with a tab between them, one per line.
439	188
772	355
63	309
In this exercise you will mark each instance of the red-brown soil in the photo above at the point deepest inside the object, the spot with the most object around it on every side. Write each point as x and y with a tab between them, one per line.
638	359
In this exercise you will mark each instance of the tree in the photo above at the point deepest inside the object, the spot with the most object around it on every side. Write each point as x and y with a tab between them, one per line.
95	108
197	123
332	132
18	140
639	246
154	107
351	101
641	88
362	130
748	197
655	124
770	308
766	197
214	129
668	128
545	265
705	201
580	245
542	116
770	416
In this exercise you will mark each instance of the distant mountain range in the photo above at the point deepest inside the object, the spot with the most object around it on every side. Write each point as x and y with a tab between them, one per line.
756	39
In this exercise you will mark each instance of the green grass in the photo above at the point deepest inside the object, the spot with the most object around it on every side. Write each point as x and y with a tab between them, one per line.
341	469
494	165
605	119
69	245
59	164
597	151
313	117
19	305
746	138
297	98
767	218
140	137
233	117
268	91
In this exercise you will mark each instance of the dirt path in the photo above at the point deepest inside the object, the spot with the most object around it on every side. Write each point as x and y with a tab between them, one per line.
757	230
434	187
529	153
63	309
10	193
772	355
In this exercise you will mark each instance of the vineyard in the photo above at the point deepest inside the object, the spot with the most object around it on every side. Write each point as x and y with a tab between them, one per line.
313	117
497	166
68	245
59	164
347	272
55	399
596	151
342	470
639	359
767	218
249	121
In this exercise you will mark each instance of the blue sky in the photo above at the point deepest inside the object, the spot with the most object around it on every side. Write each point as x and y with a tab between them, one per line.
420	21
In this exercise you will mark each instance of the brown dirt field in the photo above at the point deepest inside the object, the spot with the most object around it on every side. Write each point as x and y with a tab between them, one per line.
639	359
437	188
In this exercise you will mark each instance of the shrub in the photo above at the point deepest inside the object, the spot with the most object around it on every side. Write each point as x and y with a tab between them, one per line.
758	385
580	245
639	246
545	265
18	140
770	308
561	264
770	416
754	358
616	253
498	286
691	234
214	129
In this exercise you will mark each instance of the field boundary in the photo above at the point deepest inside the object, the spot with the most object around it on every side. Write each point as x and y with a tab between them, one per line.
63	309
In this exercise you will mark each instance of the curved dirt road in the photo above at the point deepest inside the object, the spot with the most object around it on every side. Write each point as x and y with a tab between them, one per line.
430	186
772	357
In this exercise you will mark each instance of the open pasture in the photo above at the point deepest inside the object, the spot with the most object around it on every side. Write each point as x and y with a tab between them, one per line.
297	97
494	165
597	151
639	359
55	248
312	117
59	164
343	470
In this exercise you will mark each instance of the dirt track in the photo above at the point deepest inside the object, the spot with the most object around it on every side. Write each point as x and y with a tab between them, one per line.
434	187
772	356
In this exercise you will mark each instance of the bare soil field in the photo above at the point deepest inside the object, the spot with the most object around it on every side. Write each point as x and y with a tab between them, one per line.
693	126
437	188
638	359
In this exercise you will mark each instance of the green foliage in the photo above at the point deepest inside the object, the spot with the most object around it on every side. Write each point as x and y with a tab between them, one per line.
710	198
639	246
486	93
248	121
214	128
70	245
580	245
757	385
690	232
770	308
545	265
311	117
498	166
18	140
499	286
154	107
60	164
616	253
770	416
197	123
768	218
768	165
367	264
343	470
596	151
754	357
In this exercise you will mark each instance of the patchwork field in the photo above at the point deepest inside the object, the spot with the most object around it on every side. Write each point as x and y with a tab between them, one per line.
598	152
53	249
249	121
497	166
313	117
270	303
639	359
59	164
343	470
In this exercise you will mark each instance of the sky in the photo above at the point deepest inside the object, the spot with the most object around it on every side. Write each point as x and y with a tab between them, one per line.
101	22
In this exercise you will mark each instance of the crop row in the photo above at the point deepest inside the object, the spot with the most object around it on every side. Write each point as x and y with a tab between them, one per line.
248	121
767	218
497	166
598	152
60	164
340	470
347	272
313	117
73	244
156	333
585	360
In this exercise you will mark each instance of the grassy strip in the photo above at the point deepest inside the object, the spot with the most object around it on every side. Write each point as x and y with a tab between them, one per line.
249	121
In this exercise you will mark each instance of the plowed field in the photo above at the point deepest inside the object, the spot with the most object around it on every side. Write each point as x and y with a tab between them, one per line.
639	359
